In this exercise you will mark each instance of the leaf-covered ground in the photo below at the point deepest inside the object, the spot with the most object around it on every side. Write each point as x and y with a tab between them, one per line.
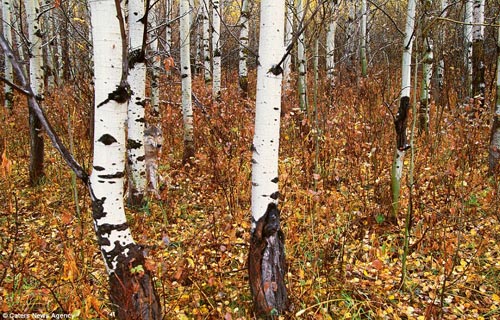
343	253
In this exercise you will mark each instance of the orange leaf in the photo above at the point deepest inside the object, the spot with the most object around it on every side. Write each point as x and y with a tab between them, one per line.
169	63
377	264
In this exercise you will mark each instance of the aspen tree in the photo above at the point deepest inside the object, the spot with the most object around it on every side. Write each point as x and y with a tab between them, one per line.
494	151
155	65
478	84
242	68
428	58
216	50
351	33
400	119
136	106
266	261
442	36
187	107
468	47
363	47
168	28
207	61
35	38
288	42
8	72
131	286
330	44
301	57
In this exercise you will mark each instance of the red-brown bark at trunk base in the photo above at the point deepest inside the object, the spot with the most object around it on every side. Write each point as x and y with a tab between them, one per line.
133	292
266	265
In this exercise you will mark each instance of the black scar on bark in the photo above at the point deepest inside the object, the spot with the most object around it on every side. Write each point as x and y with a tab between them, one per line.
133	144
98	208
400	124
266	264
275	180
117	175
276	70
136	56
98	168
275	195
132	290
107	139
121	94
141	158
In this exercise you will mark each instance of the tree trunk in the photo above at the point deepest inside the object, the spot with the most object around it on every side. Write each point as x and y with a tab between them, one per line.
363	57
468	47
155	67
478	66
216	50
8	72
207	61
243	70
136	106
400	120
351	35
288	42
494	151
301	58
266	260
330	45
35	35
187	107
425	88
131	284
425	93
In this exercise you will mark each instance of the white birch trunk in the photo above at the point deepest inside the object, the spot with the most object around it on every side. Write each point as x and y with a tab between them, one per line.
242	68
187	108
402	114
330	46
301	58
468	46
35	38
36	54
108	172
207	61
131	292
136	105
156	66
425	93
442	36
216	49
494	150
8	72
288	41
478	67
351	34
266	261
168	28
363	49
425	88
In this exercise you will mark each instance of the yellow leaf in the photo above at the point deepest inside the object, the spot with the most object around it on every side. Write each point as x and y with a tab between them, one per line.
300	312
495	297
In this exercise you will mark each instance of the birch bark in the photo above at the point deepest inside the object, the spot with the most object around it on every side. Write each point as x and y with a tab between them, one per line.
187	107
136	105
131	287
400	120
266	261
35	38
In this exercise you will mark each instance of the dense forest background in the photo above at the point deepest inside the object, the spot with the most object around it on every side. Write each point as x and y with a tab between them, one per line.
344	251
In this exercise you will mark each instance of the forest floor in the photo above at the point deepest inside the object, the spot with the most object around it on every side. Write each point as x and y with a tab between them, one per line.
343	252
